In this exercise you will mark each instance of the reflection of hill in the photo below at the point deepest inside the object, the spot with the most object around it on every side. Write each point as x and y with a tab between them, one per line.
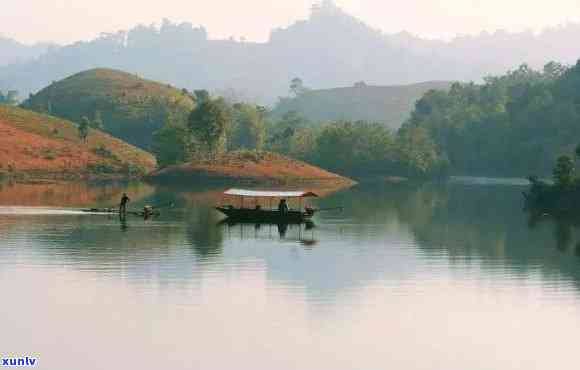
485	225
386	233
68	194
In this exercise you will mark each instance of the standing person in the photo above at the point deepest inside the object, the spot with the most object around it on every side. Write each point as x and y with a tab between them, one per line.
283	207
123	205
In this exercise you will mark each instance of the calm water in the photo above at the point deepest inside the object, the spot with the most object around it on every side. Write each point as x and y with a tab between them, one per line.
449	276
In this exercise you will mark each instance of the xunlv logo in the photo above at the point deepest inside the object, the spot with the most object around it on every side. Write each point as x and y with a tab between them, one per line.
18	361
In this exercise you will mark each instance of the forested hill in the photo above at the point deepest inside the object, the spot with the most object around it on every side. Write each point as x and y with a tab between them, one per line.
516	124
330	48
389	105
120	103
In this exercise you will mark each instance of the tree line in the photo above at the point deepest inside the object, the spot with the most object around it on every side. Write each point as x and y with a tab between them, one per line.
359	149
515	124
9	97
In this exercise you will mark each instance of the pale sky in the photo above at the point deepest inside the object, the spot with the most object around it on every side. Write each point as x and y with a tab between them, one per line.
65	21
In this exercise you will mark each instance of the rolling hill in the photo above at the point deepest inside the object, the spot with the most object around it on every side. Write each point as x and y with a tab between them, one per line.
42	146
390	105
249	167
131	108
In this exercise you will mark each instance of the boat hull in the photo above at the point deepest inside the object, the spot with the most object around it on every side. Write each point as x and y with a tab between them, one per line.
264	215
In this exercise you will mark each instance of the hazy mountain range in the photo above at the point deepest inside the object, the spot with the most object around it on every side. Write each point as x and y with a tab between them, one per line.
12	51
329	49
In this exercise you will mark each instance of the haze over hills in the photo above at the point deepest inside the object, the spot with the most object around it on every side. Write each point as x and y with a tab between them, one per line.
329	49
390	105
12	51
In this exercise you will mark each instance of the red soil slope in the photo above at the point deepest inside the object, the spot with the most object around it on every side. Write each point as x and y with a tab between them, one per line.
253	167
38	144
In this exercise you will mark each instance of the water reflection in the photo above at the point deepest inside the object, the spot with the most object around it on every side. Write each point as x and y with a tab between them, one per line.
453	264
464	225
261	231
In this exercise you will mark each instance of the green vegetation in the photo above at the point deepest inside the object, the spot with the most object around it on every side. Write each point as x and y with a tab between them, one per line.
360	149
122	104
172	145
512	125
84	129
213	128
248	129
9	97
209	122
560	197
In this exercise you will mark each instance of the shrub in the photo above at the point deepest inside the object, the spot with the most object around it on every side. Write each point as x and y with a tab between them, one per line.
101	168
103	152
133	170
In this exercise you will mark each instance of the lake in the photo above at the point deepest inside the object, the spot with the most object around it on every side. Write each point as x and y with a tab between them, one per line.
434	276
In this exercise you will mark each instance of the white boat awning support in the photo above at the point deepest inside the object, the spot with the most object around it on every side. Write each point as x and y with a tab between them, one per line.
270	194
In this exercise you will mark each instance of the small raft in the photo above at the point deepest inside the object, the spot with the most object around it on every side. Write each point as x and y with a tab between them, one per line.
116	211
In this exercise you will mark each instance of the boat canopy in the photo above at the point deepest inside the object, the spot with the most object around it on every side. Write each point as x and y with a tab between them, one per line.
270	194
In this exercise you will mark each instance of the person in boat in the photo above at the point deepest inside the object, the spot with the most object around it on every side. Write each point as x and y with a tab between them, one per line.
123	205
147	212
283	206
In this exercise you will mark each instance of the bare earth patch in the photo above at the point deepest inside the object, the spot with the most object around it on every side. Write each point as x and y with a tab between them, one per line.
250	167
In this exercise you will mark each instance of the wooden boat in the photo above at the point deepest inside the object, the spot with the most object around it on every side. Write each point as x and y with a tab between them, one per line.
262	215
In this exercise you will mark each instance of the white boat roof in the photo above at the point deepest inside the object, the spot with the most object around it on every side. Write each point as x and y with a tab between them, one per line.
270	194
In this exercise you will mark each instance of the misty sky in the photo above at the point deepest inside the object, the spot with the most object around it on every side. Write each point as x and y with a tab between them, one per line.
71	20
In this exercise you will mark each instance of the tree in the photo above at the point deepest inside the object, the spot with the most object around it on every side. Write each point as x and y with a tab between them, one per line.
172	144
297	86
209	121
9	98
97	122
355	148
84	128
554	70
577	151
282	132
249	127
417	154
563	173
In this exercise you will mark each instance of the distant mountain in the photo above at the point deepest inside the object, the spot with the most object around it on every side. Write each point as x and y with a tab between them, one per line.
131	108
12	51
330	48
39	145
390	105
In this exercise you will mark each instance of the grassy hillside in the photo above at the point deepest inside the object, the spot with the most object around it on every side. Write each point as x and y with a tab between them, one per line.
249	167
41	145
390	105
131	108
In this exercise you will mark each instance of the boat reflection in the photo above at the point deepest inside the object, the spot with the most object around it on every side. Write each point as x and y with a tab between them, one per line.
300	232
